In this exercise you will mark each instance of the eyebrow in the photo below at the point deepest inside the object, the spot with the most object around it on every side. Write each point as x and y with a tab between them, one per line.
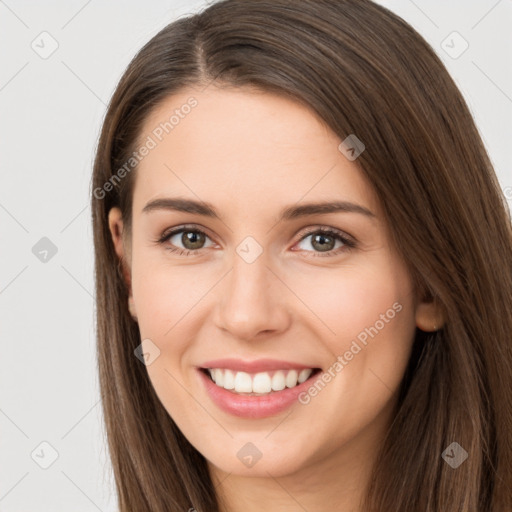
288	213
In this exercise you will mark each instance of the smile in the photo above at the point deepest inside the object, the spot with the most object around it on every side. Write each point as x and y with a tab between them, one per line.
255	395
258	384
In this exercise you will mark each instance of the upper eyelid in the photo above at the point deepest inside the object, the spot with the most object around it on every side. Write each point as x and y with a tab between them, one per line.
189	227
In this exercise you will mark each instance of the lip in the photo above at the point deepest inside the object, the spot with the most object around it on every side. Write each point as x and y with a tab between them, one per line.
253	407
258	365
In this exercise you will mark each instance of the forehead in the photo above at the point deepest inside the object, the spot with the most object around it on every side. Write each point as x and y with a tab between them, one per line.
254	150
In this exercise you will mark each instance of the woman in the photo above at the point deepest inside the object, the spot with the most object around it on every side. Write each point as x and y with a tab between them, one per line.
303	271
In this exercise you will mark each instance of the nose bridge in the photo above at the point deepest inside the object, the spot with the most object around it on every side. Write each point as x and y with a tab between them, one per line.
251	302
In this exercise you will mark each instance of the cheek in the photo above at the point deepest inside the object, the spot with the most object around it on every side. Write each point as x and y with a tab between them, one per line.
366	315
167	300
166	295
348	300
372	314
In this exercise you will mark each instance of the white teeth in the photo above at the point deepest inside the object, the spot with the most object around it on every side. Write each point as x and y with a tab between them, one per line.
243	382
219	377
229	379
261	383
278	381
291	378
304	375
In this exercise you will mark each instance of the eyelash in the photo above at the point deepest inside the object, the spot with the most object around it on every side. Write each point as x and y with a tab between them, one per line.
349	244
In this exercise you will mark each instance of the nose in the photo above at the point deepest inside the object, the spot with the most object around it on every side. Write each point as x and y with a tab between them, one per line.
253	301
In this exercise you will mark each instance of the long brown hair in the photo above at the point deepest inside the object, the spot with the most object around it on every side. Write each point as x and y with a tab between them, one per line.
366	72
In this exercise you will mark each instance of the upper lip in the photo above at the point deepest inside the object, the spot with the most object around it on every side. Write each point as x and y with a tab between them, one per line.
258	365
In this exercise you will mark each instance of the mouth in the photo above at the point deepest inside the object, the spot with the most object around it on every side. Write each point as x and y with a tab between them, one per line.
259	384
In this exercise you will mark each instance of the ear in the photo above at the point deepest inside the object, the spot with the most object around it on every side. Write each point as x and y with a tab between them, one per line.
115	223
429	314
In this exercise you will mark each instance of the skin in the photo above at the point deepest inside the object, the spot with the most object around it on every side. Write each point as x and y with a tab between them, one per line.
250	154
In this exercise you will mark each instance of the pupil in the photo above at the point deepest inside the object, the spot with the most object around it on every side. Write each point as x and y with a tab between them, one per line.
323	247
192	237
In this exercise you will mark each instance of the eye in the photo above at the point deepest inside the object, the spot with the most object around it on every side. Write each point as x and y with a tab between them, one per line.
324	241
191	238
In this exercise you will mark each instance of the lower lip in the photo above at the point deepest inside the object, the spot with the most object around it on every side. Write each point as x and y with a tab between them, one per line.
246	406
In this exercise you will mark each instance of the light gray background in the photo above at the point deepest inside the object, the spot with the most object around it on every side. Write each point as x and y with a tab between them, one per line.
51	112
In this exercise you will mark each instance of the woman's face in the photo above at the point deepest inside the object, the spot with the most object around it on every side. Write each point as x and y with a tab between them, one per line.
266	293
